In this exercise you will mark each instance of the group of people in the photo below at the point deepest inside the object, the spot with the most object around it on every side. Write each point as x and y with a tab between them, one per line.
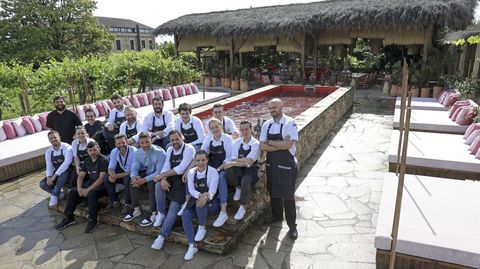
185	171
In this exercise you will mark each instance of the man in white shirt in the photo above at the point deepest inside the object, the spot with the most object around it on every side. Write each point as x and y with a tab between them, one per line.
119	166
190	126
228	125
132	126
278	138
179	157
242	170
58	159
115	119
159	123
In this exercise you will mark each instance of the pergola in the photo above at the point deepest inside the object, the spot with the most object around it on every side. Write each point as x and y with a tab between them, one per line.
304	28
469	63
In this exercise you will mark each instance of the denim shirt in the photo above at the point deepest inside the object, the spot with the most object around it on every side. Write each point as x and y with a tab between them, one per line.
152	161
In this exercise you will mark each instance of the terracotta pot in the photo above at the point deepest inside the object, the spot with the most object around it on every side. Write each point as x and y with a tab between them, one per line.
399	90
436	91
243	85
222	80
228	83
393	90
214	82
425	92
207	82
235	85
415	92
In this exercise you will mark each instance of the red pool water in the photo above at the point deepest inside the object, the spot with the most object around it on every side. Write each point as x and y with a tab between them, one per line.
295	100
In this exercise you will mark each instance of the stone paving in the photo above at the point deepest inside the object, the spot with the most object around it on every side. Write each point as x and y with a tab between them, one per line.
338	199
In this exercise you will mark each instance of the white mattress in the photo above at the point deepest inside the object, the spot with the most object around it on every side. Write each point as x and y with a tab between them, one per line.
34	145
445	151
423	103
430	121
439	220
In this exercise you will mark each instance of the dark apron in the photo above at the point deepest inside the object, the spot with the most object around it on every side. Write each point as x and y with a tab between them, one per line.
177	187
81	154
242	153
131	132
190	135
57	161
217	155
92	173
121	163
281	170
118	121
162	127
223	126
200	185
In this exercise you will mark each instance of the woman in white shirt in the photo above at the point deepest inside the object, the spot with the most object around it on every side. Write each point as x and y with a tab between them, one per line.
202	182
79	151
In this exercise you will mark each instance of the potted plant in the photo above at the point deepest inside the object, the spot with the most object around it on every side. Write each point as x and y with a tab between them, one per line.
235	70
244	80
396	79
215	75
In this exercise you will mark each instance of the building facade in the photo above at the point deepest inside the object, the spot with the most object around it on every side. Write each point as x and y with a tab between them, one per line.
129	35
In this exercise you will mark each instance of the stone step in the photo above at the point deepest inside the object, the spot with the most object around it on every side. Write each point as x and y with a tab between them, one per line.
218	240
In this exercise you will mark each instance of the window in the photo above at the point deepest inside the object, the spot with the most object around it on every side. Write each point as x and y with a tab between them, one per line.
118	45
150	44
132	44
143	44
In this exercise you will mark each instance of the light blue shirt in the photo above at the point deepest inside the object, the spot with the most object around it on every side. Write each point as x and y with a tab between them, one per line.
125	162
151	161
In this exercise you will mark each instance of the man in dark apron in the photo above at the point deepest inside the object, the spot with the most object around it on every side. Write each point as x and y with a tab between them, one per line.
190	126
159	123
278	138
132	126
115	119
58	159
170	183
89	186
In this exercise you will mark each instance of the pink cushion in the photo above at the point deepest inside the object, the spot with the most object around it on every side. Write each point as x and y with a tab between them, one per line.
180	91
470	129
194	88
101	110
451	100
36	123
145	99
106	107
188	89
134	101
466	116
158	93
81	112
140	100
126	101
447	97
472	137
456	106
19	129
150	96
475	146
3	135
28	125
110	104
43	120
95	110
441	95
9	129
173	92
166	94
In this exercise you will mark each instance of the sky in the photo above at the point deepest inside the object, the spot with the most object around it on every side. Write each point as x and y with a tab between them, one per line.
155	12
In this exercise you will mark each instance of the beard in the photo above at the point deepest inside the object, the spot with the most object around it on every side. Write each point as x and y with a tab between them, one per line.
60	107
158	110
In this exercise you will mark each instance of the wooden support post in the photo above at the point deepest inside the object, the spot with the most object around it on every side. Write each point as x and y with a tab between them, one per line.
231	57
463	59
476	63
176	40
402	109
315	51
199	64
401	183
226	67
427	43
240	61
302	56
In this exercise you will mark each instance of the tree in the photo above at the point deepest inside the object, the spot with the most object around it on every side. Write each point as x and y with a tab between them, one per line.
35	31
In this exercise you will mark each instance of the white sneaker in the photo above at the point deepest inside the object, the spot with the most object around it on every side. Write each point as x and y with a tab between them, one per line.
200	233
158	243
192	249
221	219
158	220
119	188
236	196
130	216
53	201
240	213
180	212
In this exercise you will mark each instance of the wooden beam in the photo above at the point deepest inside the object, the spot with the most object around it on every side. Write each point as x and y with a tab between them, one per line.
402	110
476	63
232	47
427	43
302	57
240	45
175	41
463	59
315	51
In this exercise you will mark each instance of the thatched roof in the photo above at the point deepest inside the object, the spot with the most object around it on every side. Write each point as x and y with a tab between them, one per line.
462	34
331	14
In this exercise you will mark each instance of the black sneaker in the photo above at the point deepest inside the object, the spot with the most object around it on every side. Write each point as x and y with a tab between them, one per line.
293	233
147	221
91	226
65	223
